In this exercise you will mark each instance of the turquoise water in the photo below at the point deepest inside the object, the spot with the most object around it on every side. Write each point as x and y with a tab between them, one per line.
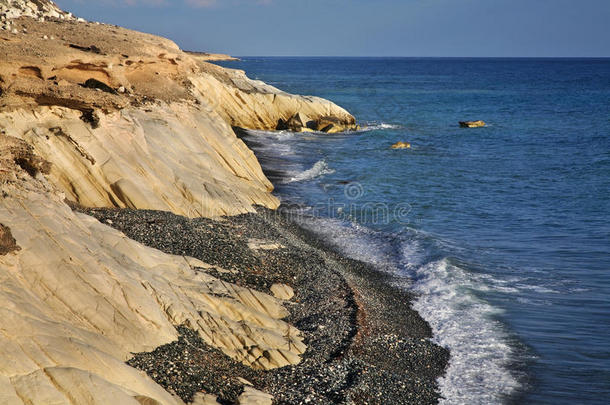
503	231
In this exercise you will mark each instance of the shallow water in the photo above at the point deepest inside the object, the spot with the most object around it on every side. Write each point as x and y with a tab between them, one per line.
504	231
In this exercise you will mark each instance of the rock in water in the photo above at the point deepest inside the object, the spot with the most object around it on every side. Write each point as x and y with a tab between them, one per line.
401	145
472	124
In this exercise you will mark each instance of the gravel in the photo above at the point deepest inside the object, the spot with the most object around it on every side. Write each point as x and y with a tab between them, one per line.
365	343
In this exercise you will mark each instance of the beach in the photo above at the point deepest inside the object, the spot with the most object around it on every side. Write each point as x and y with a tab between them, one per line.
365	343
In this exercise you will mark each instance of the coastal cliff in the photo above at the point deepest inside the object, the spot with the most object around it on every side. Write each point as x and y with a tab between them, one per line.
100	121
129	120
101	116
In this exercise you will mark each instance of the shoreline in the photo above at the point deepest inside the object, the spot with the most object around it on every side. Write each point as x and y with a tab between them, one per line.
346	310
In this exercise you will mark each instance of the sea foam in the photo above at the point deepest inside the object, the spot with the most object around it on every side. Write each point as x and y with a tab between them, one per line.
320	168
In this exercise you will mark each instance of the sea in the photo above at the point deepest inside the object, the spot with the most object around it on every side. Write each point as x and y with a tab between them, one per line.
502	232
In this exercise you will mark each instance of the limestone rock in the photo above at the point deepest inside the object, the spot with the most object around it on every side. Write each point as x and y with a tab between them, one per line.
38	9
282	291
332	125
8	244
252	396
257	244
252	104
401	145
472	124
175	158
80	297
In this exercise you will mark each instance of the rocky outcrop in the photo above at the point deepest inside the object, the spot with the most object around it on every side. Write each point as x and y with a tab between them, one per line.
39	9
472	124
79	297
254	104
106	117
328	124
129	120
174	158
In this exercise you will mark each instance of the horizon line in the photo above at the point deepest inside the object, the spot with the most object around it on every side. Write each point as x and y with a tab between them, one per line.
413	57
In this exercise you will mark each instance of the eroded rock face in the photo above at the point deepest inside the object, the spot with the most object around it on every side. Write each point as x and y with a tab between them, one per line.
8	244
80	297
31	8
177	158
17	157
129	120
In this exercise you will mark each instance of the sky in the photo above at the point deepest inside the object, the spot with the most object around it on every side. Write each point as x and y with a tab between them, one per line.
450	28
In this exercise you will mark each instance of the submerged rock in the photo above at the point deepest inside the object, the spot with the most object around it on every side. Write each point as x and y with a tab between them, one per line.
472	124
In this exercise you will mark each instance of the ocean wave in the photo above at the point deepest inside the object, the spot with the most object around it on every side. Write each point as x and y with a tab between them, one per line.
378	127
320	168
479	369
481	356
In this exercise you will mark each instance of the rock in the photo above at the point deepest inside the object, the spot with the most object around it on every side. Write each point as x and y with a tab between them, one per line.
257	244
282	291
8	244
472	124
297	123
252	396
332	125
401	145
121	89
80	298
92	48
40	10
96	84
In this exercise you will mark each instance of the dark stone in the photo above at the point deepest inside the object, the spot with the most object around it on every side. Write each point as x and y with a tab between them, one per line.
92	48
96	84
90	117
8	244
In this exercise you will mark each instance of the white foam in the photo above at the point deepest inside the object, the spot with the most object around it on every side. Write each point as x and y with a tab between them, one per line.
320	168
378	127
478	371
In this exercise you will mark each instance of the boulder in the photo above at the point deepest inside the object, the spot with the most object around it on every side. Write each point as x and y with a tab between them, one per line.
401	145
297	123
282	291
472	124
332	125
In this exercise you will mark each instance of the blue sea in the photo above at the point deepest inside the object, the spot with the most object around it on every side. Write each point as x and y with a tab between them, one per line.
503	232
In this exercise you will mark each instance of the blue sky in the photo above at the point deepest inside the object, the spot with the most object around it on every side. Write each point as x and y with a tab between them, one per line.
366	28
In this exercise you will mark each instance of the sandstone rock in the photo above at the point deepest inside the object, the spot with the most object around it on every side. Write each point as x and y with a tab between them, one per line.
332	125
472	124
282	291
256	244
401	145
8	244
173	158
80	297
297	123
252	396
38	9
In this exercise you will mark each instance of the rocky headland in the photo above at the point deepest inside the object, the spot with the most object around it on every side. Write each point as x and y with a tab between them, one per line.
140	256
